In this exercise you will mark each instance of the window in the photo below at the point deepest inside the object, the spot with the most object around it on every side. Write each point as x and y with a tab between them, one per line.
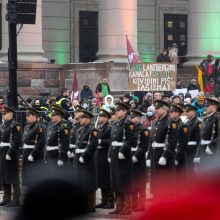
175	31
88	36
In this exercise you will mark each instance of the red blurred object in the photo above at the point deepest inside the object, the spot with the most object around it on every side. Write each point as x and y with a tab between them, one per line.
200	203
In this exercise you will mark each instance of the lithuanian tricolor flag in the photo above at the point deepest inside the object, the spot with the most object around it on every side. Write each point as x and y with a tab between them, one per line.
200	78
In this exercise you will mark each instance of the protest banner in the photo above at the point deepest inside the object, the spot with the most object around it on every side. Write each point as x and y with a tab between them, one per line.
152	77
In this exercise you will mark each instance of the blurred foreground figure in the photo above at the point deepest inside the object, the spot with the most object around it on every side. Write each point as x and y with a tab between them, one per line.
55	199
201	202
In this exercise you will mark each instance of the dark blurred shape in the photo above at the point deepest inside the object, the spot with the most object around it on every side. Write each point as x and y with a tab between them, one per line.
54	199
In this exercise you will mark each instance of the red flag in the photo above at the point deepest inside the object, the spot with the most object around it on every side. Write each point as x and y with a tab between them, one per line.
98	99
132	56
75	90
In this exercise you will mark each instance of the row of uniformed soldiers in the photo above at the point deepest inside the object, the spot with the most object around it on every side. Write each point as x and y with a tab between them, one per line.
111	156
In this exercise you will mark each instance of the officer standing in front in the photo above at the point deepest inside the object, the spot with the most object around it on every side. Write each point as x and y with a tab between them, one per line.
208	149
75	126
139	164
194	125
11	140
34	138
123	135
57	142
161	157
84	161
102	165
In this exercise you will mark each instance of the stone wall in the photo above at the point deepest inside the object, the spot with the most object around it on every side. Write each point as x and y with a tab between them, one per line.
36	79
33	79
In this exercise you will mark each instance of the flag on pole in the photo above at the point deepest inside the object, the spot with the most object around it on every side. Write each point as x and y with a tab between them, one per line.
132	56
200	78
75	89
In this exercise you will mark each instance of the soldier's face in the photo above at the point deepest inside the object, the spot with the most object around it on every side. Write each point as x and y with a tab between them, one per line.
84	121
191	114
135	120
30	118
121	113
7	116
103	119
114	118
174	115
161	111
55	118
77	115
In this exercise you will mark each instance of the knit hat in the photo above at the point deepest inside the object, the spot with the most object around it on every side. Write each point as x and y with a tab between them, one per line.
200	98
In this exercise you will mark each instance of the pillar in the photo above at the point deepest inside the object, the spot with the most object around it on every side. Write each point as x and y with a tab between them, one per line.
29	40
203	31
116	18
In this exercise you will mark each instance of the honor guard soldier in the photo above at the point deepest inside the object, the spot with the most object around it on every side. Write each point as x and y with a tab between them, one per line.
183	132
84	161
208	148
139	164
180	157
77	114
11	140
122	137
34	138
57	139
102	165
194	125
161	157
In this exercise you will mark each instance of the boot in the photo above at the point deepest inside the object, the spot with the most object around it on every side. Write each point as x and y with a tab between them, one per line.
119	203
127	209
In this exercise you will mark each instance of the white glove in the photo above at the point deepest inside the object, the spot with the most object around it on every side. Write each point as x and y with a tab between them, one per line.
60	163
81	160
148	163
208	150
109	160
70	119
162	161
134	159
69	154
8	157
72	155
146	155
196	160
176	163
99	141
30	158
121	156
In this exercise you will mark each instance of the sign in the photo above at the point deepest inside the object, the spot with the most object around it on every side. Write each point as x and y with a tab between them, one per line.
179	91
194	93
152	77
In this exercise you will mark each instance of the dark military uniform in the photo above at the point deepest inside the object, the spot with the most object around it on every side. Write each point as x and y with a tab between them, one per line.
194	126
102	164
11	140
57	141
164	136
208	148
139	170
123	136
34	138
84	161
73	131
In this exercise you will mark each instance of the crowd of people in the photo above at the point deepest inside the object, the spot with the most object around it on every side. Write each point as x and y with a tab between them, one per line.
115	144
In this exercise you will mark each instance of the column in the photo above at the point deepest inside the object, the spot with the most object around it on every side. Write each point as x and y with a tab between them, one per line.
116	18
29	40
203	30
